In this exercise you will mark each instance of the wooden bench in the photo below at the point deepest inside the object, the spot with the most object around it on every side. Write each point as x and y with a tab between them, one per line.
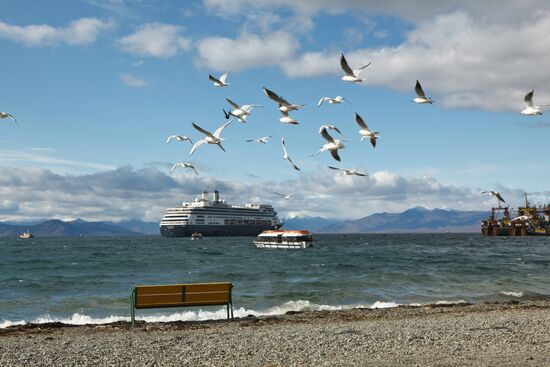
181	295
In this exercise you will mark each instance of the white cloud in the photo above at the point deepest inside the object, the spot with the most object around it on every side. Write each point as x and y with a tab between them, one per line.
246	51
156	40
41	156
133	81
79	32
125	193
461	62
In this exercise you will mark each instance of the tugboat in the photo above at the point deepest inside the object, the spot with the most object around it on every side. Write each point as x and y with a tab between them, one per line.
284	239
196	236
26	235
529	221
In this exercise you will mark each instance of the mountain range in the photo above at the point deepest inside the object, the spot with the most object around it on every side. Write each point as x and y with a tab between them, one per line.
418	219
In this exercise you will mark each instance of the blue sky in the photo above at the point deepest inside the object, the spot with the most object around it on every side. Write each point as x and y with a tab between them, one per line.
98	85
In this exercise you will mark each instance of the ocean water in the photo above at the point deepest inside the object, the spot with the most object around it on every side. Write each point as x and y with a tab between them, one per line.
89	280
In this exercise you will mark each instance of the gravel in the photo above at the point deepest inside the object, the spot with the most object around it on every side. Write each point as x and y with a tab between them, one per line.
504	334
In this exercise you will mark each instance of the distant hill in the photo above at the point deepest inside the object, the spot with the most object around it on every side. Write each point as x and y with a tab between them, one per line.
418	219
79	227
310	223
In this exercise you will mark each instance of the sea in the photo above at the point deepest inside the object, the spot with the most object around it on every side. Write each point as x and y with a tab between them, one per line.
88	280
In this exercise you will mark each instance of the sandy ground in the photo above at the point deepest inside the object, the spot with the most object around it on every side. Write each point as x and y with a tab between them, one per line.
504	334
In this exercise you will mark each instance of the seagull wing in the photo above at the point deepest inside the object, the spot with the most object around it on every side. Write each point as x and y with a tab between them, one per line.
293	164
174	167
326	135
223	77
322	100
335	168
193	167
170	138
197	127
220	129
362	67
359	174
214	79
275	97
418	90
279	194
335	155
344	65
497	194
335	129
373	141
361	122
233	104
196	145
221	147
284	147
529	98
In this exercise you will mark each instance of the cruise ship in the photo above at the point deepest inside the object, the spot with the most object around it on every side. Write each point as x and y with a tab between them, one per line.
217	218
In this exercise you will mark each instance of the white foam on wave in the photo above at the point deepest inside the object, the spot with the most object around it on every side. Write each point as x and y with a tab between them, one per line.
513	294
202	315
458	302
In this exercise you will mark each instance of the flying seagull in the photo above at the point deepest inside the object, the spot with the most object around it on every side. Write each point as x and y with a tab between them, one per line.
240	112
331	127
335	100
4	115
178	138
262	140
183	165
332	145
209	138
421	97
530	107
286	197
348	172
495	194
286	155
351	75
219	82
365	132
284	105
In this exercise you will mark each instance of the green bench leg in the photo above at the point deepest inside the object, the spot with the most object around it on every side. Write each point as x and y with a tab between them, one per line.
132	307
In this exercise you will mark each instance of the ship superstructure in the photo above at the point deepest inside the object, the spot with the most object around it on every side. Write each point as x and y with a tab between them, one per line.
529	220
217	218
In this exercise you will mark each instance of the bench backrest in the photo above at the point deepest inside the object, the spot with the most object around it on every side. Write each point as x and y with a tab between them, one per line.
179	295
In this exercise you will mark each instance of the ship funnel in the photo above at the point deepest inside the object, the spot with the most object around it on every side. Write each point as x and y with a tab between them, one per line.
204	196
216	196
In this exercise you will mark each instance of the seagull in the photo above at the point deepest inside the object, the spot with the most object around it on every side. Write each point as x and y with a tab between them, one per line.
286	119
240	112
178	138
286	155
335	100
351	75
333	145
329	127
365	132
348	172
183	165
262	140
495	194
4	115
286	197
219	82
421	97
209	138
530	108
284	105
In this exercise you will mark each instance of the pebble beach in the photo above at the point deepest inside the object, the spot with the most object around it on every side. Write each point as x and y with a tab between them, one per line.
504	334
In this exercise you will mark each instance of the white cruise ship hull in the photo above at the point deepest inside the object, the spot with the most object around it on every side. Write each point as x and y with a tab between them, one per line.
213	230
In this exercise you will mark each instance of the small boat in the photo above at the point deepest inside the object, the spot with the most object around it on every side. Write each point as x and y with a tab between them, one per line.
284	239
26	235
196	236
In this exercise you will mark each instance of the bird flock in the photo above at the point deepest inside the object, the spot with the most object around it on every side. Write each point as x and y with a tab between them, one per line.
242	112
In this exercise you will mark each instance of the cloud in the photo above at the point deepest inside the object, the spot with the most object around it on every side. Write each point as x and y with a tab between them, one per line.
246	51
133	81
126	192
40	156
79	32
156	40
461	62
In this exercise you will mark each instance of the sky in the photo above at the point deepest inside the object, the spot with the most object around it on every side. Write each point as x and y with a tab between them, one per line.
98	85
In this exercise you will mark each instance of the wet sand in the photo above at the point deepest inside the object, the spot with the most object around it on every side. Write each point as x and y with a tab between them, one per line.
489	334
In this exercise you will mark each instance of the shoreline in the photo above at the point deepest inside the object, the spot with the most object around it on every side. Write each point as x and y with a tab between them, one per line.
506	333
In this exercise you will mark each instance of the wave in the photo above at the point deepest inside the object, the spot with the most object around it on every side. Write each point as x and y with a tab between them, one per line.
200	315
